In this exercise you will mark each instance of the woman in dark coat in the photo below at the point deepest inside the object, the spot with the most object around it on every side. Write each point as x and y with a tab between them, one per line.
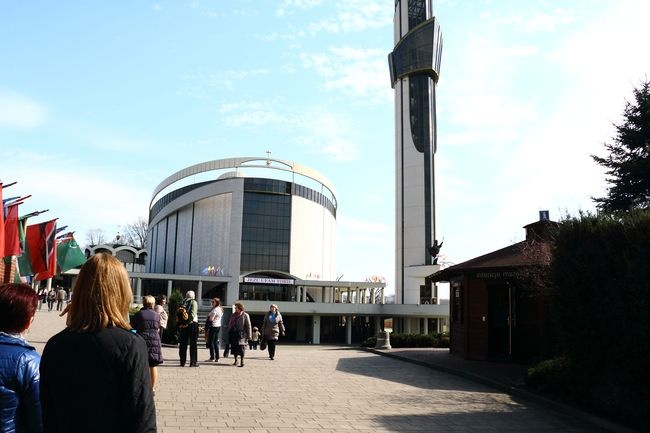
95	373
147	323
239	332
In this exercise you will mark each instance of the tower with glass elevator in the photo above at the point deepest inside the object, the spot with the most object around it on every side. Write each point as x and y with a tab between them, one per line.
414	67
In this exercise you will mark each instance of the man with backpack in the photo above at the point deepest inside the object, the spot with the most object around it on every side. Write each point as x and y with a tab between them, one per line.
187	320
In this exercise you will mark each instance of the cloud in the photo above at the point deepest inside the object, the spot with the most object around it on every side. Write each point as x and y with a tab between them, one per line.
200	85
77	194
288	7
17	111
253	114
361	74
369	245
319	131
531	20
349	15
355	16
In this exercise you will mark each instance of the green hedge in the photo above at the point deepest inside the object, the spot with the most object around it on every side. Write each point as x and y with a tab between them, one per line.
601	302
170	334
412	340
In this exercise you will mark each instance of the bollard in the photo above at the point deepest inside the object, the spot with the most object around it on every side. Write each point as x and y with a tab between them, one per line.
383	340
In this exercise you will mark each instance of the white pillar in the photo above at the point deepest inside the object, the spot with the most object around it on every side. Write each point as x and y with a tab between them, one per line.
348	330
315	334
138	292
169	288
377	323
199	292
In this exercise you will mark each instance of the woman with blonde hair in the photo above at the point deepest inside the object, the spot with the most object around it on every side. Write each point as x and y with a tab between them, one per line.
98	365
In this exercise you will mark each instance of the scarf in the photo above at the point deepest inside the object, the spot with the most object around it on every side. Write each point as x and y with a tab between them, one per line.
232	322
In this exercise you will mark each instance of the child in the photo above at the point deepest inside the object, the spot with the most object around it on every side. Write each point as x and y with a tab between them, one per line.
255	338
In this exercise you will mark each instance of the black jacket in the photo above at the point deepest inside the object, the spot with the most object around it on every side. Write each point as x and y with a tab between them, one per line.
147	323
97	382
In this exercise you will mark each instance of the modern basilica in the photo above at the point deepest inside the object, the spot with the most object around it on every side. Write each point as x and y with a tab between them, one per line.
263	230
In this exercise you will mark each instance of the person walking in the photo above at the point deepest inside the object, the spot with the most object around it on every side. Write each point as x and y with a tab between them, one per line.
272	329
42	297
61	296
255	339
51	297
212	329
161	301
239	332
189	333
147	323
20	402
95	373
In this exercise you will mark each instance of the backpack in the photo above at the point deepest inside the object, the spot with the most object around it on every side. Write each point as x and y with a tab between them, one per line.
184	315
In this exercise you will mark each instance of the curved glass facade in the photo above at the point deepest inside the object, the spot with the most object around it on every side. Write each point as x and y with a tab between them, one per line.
266	231
419	51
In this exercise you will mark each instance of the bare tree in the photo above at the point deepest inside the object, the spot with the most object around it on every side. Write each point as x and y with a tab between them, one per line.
95	237
377	279
135	234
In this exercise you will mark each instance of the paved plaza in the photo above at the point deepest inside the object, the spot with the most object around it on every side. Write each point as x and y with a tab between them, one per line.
328	389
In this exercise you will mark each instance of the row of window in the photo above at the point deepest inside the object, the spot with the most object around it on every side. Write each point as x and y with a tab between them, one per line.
253	262
265	238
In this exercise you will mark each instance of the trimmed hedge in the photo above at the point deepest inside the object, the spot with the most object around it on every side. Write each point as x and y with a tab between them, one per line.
601	302
412	340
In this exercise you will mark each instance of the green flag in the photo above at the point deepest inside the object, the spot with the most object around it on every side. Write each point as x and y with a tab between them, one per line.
24	264
69	255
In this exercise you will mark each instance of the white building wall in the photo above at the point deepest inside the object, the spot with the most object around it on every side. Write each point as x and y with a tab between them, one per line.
161	232
183	240
211	233
170	241
313	240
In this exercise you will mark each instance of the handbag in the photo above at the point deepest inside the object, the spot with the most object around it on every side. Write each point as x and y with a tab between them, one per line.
262	343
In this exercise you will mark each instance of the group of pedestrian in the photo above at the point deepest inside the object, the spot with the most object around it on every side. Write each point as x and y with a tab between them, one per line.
57	294
110	385
241	335
114	369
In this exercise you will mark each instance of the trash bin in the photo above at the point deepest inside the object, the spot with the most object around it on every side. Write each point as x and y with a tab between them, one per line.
383	340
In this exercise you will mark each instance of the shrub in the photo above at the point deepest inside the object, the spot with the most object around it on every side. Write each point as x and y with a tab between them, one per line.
170	335
551	376
412	340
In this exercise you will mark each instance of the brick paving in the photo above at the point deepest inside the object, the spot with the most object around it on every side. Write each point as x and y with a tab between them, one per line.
329	389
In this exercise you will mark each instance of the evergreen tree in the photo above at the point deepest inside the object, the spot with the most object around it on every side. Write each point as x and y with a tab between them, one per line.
628	162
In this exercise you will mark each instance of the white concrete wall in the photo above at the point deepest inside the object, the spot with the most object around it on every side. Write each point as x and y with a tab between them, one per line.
313	240
211	236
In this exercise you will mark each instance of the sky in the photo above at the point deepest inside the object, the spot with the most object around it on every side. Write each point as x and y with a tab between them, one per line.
101	101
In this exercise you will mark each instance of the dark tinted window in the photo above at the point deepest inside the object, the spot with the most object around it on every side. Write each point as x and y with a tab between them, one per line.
266	227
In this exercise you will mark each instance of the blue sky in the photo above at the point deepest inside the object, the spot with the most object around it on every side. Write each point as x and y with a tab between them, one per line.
100	101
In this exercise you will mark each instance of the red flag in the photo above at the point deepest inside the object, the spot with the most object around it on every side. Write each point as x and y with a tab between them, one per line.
41	241
12	237
2	222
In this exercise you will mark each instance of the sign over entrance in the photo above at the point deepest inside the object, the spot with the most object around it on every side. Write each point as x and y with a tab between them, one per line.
268	280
